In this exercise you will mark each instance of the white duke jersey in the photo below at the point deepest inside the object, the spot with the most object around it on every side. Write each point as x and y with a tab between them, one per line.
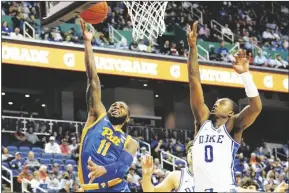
214	152
186	181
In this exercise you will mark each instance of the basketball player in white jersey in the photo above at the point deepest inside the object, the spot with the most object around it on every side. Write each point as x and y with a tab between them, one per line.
183	181
218	131
179	181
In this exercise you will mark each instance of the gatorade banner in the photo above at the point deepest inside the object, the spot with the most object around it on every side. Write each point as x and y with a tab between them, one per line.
46	56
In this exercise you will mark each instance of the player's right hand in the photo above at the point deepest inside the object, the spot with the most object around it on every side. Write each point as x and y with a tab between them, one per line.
147	165
87	35
95	170
192	35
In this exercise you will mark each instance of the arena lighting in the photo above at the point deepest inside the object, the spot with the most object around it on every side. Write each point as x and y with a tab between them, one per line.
27	95
145	85
156	95
43	105
3	93
10	103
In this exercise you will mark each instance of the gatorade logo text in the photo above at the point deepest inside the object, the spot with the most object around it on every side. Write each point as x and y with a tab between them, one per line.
129	66
25	54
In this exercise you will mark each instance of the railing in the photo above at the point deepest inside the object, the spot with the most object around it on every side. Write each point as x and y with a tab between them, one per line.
163	160
145	144
219	28
25	33
113	33
237	45
197	13
50	124
24	186
10	181
207	53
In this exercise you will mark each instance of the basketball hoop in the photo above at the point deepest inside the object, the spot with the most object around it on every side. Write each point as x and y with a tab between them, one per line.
147	18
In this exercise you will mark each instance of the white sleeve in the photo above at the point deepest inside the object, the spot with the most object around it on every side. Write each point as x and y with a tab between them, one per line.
58	149
46	150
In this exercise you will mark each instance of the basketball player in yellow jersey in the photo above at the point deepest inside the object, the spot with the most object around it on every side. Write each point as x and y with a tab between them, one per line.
218	131
103	141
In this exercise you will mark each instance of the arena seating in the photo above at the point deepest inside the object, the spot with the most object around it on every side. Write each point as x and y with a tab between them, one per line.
178	15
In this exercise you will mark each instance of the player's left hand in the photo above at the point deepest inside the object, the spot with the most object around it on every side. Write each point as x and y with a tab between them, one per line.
281	187
241	63
96	170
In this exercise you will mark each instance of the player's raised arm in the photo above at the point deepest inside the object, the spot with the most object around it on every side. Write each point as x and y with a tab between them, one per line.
198	106
167	185
93	92
249	114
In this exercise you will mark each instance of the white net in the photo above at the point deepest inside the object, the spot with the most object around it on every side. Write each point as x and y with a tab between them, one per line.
147	18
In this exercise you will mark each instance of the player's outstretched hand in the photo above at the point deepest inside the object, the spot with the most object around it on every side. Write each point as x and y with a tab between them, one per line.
192	35
87	35
242	60
95	170
147	165
281	187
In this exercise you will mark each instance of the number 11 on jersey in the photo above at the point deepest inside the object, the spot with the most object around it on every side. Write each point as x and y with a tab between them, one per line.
103	147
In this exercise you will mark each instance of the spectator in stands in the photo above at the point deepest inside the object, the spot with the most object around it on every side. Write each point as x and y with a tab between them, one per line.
270	61
31	162
76	187
181	49
173	49
56	35
133	46
73	145
280	63
270	183
132	174
65	186
6	156
36	181
31	136
51	146
25	174
55	171
157	164
64	147
204	32
166	47
16	34
6	30
222	51
75	154
54	184
141	46
17	21
20	137
16	163
69	170
267	35
260	59
65	179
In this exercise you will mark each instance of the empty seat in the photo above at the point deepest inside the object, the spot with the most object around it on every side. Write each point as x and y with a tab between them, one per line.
37	150
45	161
58	161
37	155
24	149
24	154
67	156
12	148
71	161
47	156
59	156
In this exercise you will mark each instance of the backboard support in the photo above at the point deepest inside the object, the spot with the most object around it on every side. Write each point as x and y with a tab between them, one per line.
54	13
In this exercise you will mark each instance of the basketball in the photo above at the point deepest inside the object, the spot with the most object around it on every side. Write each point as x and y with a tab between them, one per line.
96	13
